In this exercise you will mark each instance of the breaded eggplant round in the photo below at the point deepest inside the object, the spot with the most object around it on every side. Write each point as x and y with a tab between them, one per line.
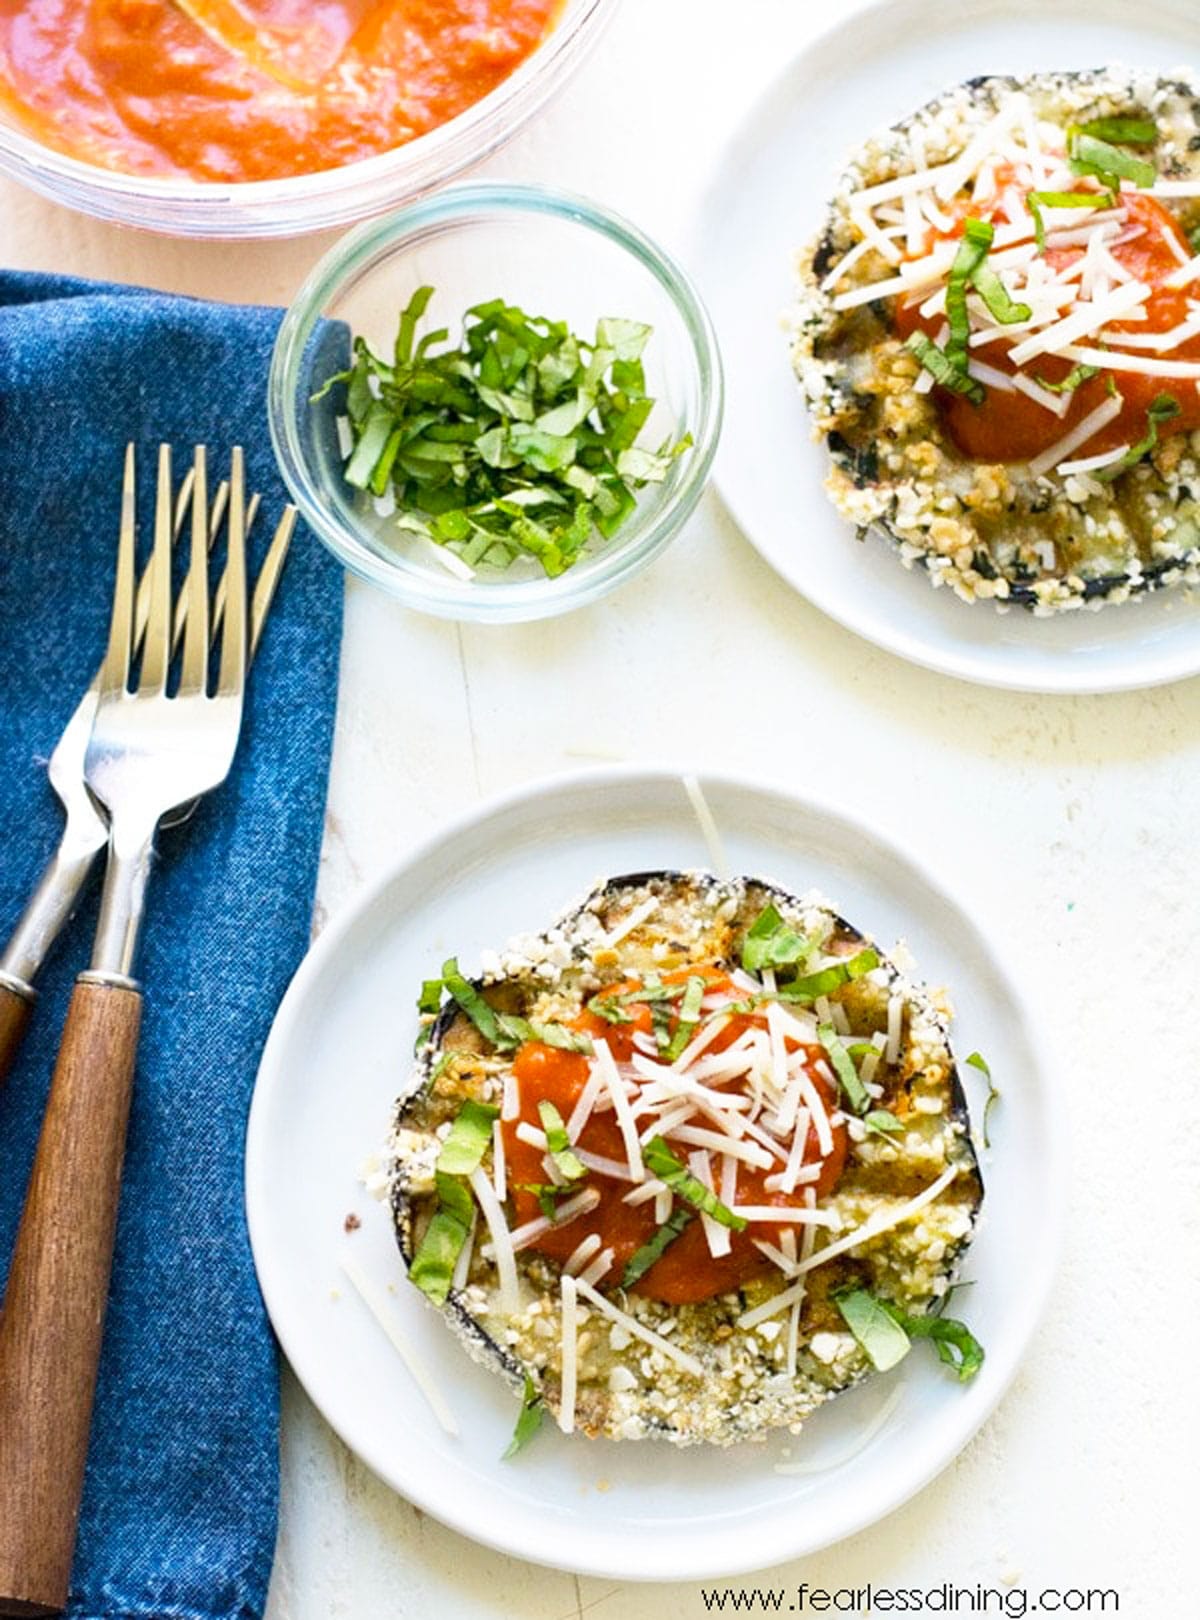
997	333
633	1155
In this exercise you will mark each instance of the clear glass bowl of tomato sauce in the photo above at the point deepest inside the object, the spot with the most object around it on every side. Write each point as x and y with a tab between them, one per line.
553	254
331	197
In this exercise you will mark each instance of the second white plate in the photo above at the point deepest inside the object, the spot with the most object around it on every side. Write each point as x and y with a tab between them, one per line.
341	1047
767	200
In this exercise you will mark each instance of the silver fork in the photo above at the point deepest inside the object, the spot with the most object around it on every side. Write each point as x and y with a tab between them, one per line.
149	753
85	830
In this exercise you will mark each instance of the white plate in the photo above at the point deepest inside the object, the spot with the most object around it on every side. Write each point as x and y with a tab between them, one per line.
767	199
338	1052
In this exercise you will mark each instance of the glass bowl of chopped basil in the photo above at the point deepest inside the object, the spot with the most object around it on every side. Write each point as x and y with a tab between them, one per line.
498	403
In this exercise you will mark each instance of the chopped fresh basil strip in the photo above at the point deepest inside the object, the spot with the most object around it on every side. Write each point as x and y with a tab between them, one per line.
1088	155
454	1196
507	1031
1123	131
529	1419
882	1122
978	1061
689	1016
878	1333
472	1003
558	1142
660	1023
642	1259
1161	409
428	1005
996	296
857	1094
1035	201
1077	374
830	978
971	269
406	332
469	1139
769	942
953	1341
658	996
437	1255
972	250
519	440
547	1194
653	990
885	1333
608	1008
567	1040
942	369
1194	238
661	1162
470	1136
430	999
514	1031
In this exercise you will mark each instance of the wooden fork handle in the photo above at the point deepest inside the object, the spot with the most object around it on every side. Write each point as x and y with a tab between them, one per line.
14	1019
53	1311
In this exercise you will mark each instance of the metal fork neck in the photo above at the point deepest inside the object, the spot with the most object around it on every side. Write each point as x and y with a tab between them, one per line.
51	904
130	857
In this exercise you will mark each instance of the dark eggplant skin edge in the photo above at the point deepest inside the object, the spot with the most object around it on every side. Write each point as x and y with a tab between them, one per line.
480	1345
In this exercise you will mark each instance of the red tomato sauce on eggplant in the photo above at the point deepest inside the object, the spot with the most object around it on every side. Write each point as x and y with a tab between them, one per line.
686	1272
252	89
1013	427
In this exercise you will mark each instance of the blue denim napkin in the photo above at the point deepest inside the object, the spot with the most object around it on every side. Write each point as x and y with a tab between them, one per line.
179	1505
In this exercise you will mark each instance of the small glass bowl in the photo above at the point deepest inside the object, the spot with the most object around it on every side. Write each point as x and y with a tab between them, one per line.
330	197
552	254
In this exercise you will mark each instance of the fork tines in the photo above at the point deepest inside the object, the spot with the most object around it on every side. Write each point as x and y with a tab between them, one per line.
142	617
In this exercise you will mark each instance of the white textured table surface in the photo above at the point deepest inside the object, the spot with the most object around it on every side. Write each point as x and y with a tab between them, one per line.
1075	817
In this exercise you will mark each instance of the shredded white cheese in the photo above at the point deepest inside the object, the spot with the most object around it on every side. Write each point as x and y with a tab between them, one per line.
387	1317
656	1341
1091	463
862	1234
570	1348
499	1179
628	1125
599	1268
509	1297
582	1204
1059	451
581	1254
708	825
633	921
1087	318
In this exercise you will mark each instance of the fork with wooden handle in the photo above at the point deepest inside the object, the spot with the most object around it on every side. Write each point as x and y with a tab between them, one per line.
149	753
85	831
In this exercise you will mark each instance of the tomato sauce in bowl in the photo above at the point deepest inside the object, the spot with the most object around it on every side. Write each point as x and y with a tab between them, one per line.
249	90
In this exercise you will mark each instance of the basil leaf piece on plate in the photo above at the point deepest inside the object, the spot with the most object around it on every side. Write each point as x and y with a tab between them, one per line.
881	1337
529	1419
